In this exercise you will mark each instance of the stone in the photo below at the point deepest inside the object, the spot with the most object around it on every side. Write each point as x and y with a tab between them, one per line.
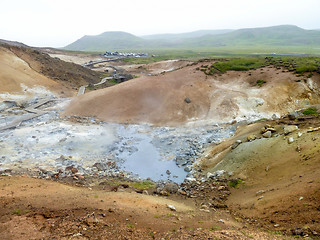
236	144
188	169
290	140
171	207
263	130
267	134
145	192
221	220
313	129
293	115
289	129
168	172
187	100
182	192
181	161
171	187
100	166
251	137
271	129
164	193
210	175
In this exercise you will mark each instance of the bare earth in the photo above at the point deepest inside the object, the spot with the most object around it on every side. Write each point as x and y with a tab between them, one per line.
42	209
162	99
280	181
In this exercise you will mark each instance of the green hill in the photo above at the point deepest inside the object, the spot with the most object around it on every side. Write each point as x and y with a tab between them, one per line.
106	41
177	36
284	36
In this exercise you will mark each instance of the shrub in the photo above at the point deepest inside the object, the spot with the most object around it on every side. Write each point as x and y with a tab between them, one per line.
234	183
310	111
260	82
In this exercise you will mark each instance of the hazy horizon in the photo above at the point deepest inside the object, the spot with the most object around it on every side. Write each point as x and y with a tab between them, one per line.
45	23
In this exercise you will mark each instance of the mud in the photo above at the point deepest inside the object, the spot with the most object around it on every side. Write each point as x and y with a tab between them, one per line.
52	144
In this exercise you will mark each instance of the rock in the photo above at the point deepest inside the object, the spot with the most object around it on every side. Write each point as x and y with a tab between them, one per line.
171	207
191	179
171	187
210	175
80	176
187	100
168	172
274	116
298	231
145	192
181	161
313	129
271	129
216	174
263	130
289	129
267	134
188	169
290	140
182	192
100	166
260	192
251	137
293	115
221	220
164	193
236	144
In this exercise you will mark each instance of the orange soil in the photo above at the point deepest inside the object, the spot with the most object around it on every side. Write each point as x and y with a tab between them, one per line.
161	99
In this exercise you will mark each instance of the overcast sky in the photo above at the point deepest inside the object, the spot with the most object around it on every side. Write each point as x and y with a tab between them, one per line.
56	23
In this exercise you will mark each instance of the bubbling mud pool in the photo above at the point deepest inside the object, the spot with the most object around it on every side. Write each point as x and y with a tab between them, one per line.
50	144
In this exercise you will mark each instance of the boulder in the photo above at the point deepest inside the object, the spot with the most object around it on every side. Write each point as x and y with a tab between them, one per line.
289	129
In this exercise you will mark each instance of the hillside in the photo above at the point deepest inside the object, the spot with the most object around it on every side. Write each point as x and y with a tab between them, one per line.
267	37
195	34
285	35
107	40
163	99
68	74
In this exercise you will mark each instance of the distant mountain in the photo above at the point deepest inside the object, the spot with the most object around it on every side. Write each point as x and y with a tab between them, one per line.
106	41
284	35
176	36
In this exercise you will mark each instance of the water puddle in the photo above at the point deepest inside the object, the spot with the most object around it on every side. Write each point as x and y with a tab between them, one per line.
146	162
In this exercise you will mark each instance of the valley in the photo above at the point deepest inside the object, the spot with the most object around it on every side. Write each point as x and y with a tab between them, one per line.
210	148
